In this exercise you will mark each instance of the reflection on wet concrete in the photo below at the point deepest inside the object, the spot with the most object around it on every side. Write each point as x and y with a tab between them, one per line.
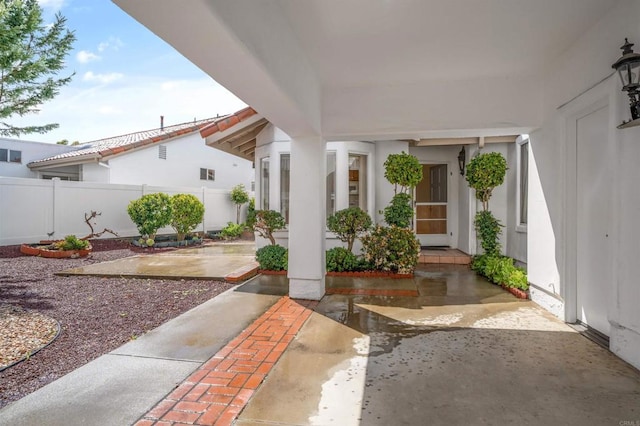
463	352
275	285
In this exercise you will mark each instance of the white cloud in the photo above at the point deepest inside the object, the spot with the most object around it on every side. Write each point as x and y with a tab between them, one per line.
109	110
113	43
135	104
102	78
52	4
85	56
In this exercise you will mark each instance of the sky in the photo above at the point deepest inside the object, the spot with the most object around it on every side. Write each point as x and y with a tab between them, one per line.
125	79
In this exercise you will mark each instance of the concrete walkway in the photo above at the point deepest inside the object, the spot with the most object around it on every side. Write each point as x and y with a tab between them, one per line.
462	352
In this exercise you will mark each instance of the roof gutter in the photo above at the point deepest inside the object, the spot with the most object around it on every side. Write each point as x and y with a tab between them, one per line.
59	162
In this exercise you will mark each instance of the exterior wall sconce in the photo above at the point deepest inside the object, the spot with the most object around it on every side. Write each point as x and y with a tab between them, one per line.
461	158
628	67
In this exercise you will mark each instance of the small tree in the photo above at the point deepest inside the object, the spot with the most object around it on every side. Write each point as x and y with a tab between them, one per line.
267	222
347	224
150	213
187	211
31	55
404	170
485	172
399	212
239	196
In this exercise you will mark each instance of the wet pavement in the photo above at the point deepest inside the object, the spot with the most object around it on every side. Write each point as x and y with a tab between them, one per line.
463	352
211	262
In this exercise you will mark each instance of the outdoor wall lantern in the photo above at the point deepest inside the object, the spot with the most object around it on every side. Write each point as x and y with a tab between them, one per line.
461	157
628	67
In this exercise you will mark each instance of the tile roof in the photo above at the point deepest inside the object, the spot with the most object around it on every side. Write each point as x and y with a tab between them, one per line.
116	145
227	122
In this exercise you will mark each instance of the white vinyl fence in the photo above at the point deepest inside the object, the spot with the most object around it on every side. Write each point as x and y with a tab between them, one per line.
35	209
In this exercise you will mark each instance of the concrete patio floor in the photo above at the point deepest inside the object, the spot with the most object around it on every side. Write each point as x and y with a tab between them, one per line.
461	352
211	262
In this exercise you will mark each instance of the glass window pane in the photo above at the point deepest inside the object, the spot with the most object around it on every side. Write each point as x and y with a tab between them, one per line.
203	174
15	156
285	174
264	183
524	184
3	154
358	181
433	186
331	183
211	174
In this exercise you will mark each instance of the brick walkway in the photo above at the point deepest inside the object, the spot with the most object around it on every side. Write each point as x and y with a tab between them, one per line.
217	392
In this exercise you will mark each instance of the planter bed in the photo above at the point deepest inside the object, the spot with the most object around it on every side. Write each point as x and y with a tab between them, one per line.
369	274
167	242
45	251
520	294
359	274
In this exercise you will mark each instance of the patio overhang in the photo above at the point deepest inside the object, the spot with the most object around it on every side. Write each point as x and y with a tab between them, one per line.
237	134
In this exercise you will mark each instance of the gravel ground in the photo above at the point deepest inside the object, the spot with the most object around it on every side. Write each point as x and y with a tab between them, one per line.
96	315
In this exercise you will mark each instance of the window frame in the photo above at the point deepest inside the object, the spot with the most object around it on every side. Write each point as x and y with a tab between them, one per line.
210	174
522	143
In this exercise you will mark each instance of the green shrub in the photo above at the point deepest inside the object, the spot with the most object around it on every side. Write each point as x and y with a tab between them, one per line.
488	229
347	224
232	231
399	212
186	213
71	242
272	257
404	170
251	214
485	172
150	213
239	196
339	259
267	222
391	249
500	270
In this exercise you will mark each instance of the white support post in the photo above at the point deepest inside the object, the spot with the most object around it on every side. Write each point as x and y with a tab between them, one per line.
307	221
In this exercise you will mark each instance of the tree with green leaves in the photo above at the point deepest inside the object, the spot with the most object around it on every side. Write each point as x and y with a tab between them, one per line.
485	172
32	54
403	170
239	196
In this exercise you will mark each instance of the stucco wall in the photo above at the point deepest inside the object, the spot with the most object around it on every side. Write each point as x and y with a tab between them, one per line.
184	158
571	87
31	151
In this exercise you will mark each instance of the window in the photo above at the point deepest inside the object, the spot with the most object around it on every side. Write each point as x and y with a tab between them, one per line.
162	152
15	156
285	182
331	183
358	181
264	183
10	155
207	174
523	184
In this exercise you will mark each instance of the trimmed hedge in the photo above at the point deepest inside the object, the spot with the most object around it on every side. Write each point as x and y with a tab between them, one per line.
500	270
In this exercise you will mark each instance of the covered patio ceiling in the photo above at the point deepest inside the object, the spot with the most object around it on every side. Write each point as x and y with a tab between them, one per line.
379	69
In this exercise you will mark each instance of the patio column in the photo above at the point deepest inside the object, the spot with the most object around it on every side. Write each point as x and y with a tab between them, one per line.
307	218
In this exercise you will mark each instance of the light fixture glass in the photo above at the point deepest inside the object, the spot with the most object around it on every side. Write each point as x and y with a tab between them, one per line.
628	67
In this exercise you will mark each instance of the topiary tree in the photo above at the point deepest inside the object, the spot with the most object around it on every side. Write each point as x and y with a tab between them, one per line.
273	258
267	222
239	196
186	213
347	224
485	172
251	214
403	170
399	212
150	213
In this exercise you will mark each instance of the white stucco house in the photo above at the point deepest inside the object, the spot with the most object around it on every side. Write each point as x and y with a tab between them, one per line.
15	154
328	71
445	205
167	156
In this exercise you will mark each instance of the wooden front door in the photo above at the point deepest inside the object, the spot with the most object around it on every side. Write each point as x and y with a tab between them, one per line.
431	195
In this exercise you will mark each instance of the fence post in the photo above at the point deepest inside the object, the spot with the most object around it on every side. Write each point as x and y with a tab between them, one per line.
204	216
55	188
144	189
